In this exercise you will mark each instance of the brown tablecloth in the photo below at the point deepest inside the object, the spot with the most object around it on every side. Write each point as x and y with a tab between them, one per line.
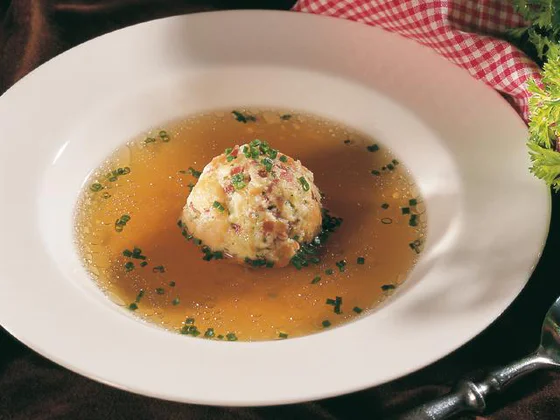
31	387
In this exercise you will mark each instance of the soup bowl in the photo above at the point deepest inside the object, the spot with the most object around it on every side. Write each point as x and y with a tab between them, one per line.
464	145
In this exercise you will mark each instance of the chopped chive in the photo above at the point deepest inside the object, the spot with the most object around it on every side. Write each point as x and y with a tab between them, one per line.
375	172
329	271
316	280
272	153
217	205
189	321
385	206
194	172
326	323
172	284
330	301
121	222
412	202
127	253
413	220
282	335
228	150
360	260
373	148
390	166
231	337
139	296
164	136
160	290
143	264
269	264
283	158
129	266
405	210
209	333
133	306
96	187
387	287
357	309
159	269
386	220
149	140
395	162
191	186
285	117
238	181
239	117
267	163
175	301
415	245
341	265
304	183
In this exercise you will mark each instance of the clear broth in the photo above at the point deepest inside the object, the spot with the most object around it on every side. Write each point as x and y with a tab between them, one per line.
367	187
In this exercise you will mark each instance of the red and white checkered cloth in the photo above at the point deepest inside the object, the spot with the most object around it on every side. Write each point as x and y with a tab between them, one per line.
465	32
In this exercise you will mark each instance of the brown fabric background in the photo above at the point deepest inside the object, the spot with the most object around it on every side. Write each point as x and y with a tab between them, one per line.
31	387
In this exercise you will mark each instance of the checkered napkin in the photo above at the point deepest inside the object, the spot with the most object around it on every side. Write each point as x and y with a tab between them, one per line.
465	32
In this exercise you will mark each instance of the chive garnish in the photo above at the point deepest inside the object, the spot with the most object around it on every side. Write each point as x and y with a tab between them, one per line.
243	118
231	337
121	222
139	296
189	321
405	210
385	206
133	306
129	266
412	202
194	172
149	140
415	245
159	269
172	284
143	264
387	287
282	335
331	301
160	290
267	163
304	183
164	136
341	265
218	206
175	301
390	166
283	158
285	117
360	260
373	148
357	309
413	220
96	187
209	333
329	271
326	323
127	253
316	280
238	181
375	172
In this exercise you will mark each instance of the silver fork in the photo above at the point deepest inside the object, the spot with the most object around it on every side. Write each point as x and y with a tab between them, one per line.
471	396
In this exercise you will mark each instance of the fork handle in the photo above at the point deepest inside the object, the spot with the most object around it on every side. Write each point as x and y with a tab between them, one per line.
471	396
